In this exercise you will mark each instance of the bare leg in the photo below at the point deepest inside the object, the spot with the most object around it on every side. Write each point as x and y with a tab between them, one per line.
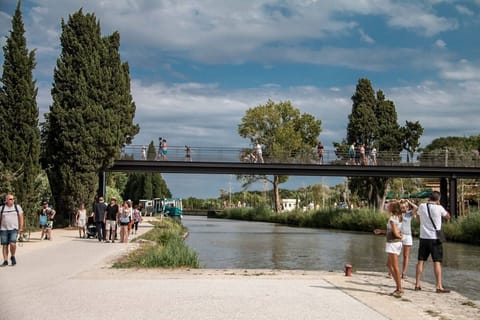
5	252
394	269
13	249
418	275
406	256
437	268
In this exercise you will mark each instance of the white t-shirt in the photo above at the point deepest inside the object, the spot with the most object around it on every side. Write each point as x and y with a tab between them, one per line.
10	218
427	231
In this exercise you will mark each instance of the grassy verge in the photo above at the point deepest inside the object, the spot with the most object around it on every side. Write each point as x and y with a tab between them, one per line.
164	248
464	229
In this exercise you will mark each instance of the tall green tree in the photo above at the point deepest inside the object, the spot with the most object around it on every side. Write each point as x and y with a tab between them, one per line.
411	138
285	133
19	133
374	122
91	117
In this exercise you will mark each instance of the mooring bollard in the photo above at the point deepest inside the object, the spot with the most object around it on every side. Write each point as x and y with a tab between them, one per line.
348	270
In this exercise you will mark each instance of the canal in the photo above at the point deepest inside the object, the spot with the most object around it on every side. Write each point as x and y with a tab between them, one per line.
230	244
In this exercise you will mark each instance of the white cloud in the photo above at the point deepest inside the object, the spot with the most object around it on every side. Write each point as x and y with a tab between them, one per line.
464	10
461	70
440	43
365	37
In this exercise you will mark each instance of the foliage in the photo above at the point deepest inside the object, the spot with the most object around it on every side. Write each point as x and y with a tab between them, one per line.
373	123
19	133
452	151
464	229
166	249
285	133
91	117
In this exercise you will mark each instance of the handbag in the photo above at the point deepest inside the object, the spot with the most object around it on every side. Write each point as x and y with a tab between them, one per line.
440	234
43	220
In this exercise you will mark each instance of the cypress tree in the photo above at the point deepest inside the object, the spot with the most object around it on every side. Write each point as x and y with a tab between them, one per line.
19	132
91	117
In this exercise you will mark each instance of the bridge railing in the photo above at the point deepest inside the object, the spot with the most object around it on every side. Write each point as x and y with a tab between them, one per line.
443	158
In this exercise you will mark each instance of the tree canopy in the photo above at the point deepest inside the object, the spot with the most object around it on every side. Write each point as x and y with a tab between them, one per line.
285	134
373	122
91	117
19	132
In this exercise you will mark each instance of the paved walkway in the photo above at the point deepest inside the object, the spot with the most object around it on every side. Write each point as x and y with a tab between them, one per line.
71	278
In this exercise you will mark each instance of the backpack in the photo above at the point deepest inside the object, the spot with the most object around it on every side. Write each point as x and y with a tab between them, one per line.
3	208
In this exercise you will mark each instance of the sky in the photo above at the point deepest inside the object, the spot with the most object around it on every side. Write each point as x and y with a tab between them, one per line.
197	66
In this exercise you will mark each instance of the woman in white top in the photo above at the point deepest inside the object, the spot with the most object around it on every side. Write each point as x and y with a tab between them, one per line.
409	211
394	245
81	218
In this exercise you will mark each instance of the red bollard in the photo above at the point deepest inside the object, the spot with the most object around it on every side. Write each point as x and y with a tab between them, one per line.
348	270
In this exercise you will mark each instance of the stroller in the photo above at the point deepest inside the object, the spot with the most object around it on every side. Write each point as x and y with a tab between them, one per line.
91	228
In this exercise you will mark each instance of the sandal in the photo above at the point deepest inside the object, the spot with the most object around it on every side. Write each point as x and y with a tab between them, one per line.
397	293
418	289
404	276
443	290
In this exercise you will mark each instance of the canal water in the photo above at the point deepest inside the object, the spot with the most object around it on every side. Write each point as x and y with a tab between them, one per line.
230	244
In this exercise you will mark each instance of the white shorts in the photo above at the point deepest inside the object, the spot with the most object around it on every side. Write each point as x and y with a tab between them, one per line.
407	240
394	247
81	223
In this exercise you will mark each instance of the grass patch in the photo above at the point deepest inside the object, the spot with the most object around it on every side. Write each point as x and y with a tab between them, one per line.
464	229
164	248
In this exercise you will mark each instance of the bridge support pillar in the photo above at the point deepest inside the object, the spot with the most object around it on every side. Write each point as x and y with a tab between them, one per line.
444	192
453	197
101	184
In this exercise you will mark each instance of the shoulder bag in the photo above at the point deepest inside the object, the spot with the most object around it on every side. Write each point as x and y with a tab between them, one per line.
440	234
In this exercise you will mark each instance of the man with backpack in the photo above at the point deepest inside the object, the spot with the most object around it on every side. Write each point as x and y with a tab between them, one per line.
11	224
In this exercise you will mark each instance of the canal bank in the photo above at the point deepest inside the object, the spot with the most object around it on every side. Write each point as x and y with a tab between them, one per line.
72	278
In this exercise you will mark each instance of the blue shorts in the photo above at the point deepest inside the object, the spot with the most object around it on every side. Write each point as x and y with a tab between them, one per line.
8	236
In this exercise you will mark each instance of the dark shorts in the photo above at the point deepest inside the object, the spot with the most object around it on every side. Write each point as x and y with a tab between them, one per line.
429	247
8	236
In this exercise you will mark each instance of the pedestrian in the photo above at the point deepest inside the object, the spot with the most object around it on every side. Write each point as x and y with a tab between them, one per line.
258	153
81	220
351	154
409	212
124	218
320	150
11	225
393	246
162	149
373	156
144	153
430	215
111	222
137	217
46	214
188	153
100	218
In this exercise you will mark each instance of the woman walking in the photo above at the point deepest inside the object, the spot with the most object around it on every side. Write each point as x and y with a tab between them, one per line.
81	219
125	216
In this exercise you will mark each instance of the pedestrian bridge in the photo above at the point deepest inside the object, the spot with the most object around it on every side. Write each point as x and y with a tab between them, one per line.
445	166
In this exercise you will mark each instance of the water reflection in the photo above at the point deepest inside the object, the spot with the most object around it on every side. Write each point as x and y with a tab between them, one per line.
227	244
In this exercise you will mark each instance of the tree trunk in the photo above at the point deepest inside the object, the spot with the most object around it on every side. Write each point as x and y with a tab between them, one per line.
276	193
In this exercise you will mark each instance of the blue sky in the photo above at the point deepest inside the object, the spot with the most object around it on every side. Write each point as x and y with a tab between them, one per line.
197	66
